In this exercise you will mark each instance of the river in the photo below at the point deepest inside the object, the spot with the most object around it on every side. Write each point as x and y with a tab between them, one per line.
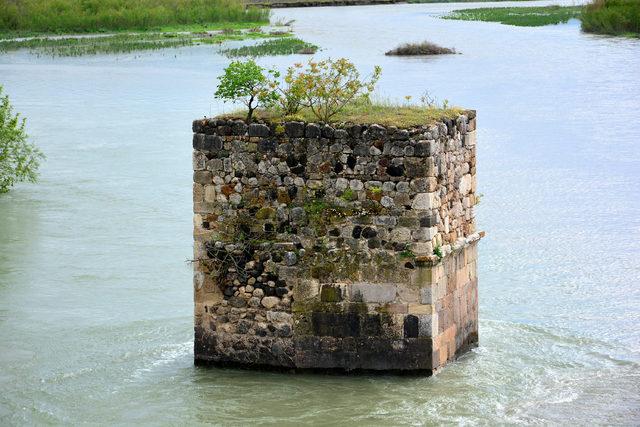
95	284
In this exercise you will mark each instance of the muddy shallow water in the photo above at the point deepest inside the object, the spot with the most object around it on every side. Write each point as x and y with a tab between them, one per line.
95	290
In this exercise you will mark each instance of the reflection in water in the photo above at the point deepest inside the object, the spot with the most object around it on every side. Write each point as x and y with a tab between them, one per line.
95	299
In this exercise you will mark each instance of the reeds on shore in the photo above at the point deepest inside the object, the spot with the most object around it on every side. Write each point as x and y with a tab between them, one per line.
614	17
81	16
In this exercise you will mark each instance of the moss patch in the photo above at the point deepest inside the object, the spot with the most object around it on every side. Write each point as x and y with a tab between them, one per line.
330	294
265	213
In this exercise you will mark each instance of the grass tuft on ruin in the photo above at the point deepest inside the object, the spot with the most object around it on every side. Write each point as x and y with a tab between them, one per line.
420	49
364	111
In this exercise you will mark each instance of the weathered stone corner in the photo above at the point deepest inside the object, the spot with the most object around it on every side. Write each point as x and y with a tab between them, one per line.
348	247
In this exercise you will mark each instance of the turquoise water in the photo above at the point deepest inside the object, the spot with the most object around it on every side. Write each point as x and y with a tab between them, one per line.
95	284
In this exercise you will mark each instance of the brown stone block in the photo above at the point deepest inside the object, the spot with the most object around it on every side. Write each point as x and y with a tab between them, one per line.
209	193
198	308
307	289
471	125
209	285
451	284
472	270
457	315
443	352
442	321
198	193
451	341
227	190
202	177
462	276
283	196
421	309
396	308
199	252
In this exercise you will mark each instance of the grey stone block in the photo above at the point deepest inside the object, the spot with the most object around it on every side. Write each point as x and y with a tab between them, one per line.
427	295
294	129
312	131
372	292
256	129
202	177
375	132
427	325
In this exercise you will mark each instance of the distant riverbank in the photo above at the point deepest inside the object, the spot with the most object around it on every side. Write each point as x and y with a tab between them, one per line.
610	17
30	17
73	28
312	3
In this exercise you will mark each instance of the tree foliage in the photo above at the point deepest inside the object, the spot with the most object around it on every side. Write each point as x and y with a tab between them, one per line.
19	160
291	92
322	87
326	87
247	82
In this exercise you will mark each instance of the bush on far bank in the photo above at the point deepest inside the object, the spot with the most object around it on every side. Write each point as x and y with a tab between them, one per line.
419	49
614	17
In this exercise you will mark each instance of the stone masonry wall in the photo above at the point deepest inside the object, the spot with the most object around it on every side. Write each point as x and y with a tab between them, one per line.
348	247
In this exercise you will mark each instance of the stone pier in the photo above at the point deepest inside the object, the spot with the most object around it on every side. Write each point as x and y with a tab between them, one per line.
346	247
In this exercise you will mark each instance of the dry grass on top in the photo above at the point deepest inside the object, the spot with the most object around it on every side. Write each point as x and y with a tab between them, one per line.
420	49
382	113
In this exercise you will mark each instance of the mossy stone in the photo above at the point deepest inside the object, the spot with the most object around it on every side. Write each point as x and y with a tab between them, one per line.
265	213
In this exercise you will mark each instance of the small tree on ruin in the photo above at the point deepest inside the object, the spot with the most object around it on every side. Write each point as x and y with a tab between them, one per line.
247	82
326	87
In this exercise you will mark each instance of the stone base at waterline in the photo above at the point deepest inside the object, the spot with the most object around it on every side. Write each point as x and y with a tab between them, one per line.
353	327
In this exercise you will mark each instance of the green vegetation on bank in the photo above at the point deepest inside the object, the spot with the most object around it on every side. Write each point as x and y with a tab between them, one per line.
74	16
311	3
614	17
458	1
520	16
280	46
122	43
77	46
19	159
